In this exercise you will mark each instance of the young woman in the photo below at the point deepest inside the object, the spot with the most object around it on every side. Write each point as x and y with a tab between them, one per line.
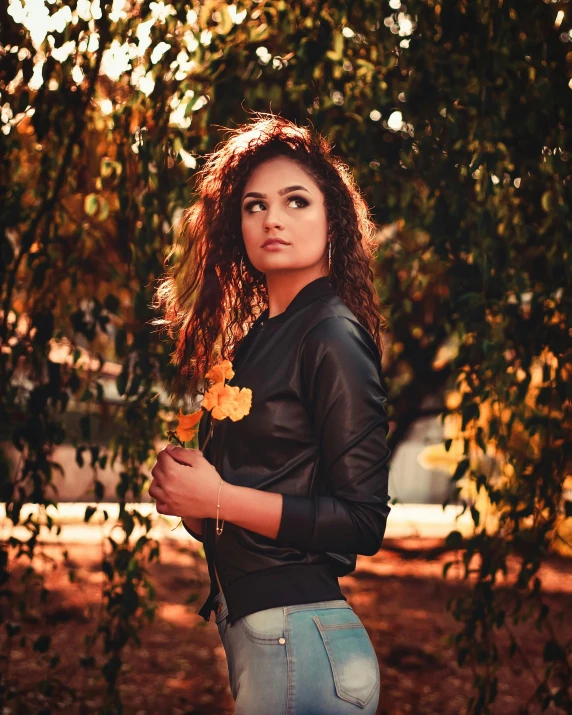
274	261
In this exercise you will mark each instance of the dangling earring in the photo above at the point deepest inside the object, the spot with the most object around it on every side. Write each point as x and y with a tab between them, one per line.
329	255
241	266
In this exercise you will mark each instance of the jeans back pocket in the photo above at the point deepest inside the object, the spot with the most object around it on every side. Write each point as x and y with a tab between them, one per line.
351	654
265	626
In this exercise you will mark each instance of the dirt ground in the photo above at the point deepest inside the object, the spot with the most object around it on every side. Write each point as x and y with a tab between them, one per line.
180	667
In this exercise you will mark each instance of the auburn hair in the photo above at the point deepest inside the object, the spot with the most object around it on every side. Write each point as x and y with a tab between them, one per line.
207	302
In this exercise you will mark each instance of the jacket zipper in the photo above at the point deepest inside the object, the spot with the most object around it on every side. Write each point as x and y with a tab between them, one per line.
213	540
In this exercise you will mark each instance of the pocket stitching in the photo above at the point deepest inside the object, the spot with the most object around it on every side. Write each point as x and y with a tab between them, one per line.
259	639
322	628
219	618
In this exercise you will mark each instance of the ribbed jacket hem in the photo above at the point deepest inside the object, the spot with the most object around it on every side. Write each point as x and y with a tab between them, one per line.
287	585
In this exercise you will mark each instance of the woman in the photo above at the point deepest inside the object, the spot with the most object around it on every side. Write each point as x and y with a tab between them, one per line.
275	258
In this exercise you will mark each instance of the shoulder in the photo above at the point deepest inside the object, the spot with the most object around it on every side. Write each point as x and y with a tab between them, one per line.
336	334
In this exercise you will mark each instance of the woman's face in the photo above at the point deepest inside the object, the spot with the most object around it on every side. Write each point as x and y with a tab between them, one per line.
280	200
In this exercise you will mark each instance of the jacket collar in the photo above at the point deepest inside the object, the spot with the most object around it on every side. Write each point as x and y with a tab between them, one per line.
312	291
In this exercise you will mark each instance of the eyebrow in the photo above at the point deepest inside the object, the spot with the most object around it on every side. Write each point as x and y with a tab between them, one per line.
286	190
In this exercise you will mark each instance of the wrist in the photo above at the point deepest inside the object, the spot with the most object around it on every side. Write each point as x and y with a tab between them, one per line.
223	497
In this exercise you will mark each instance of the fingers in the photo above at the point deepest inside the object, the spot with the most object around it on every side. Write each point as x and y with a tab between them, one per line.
190	457
157	492
157	472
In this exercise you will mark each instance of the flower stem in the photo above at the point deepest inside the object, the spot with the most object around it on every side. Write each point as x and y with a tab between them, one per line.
207	439
171	434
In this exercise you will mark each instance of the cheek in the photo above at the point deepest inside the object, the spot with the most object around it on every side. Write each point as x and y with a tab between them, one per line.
316	222
247	231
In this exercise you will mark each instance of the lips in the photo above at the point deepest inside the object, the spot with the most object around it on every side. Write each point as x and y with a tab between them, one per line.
273	240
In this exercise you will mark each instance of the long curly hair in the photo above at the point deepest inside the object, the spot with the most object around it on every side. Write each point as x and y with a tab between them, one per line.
208	302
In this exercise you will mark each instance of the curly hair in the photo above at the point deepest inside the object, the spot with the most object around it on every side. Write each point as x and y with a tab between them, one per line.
207	302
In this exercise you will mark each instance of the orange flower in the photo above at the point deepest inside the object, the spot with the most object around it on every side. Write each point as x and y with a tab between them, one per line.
220	399
186	428
227	401
221	372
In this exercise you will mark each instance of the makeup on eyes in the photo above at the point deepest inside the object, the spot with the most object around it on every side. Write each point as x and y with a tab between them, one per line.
248	206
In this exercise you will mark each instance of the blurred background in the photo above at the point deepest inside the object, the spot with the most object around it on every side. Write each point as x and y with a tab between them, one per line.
454	116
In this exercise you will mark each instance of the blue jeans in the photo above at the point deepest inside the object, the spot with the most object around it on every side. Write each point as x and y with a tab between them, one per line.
310	659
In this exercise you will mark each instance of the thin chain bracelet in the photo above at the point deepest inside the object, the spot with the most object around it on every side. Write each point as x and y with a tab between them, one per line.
219	530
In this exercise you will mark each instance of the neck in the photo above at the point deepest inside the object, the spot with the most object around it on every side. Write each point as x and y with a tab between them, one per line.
284	286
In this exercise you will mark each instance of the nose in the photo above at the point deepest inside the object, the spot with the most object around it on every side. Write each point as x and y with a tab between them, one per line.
272	218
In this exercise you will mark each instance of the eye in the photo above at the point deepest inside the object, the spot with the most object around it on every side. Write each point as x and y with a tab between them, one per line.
250	206
299	198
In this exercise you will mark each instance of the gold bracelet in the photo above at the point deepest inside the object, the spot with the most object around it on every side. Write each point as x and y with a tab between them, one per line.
219	530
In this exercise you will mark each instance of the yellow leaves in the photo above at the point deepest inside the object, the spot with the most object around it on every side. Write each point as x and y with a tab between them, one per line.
25	126
221	400
99	206
435	456
447	352
90	204
29	199
108	167
547	201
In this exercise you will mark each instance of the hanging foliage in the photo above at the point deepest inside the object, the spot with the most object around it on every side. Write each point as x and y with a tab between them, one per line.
455	118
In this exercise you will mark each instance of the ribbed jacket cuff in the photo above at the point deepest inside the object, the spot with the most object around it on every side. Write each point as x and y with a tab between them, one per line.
297	522
198	537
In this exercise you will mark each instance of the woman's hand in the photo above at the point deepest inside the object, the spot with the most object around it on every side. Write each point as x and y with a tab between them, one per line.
184	483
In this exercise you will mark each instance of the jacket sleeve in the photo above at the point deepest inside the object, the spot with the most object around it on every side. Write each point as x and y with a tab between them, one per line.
198	537
341	382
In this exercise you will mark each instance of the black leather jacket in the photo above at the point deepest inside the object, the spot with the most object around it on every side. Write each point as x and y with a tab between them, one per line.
316	433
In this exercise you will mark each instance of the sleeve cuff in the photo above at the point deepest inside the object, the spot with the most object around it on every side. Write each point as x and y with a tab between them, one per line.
297	522
198	537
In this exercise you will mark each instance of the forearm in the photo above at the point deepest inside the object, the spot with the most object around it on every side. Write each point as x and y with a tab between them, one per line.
307	523
328	523
251	509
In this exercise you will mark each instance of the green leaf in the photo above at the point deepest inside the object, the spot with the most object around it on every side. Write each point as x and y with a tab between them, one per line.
90	204
140	305
461	469
85	427
121	382
121	342
103	209
42	644
111	303
462	654
89	512
106	167
552	652
454	540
